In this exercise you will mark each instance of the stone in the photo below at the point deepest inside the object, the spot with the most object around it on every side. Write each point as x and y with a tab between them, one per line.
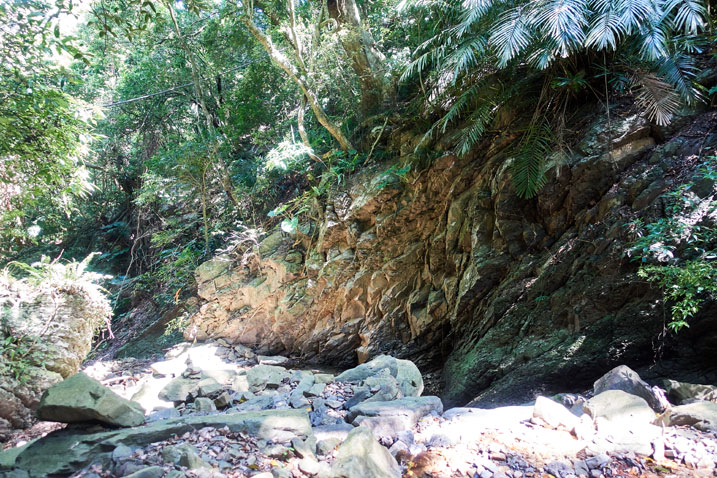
149	472
316	390
240	383
700	415
148	394
324	447
683	393
272	360
301	448
409	378
554	414
323	378
262	377
619	407
209	387
361	456
204	404
386	419
222	400
298	400
121	451
162	414
180	389
309	466
82	399
72	451
407	375
338	430
624	378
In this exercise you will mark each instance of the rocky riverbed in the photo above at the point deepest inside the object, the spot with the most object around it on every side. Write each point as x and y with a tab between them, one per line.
215	410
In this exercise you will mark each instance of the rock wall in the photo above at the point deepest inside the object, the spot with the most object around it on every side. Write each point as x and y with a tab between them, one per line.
448	265
54	324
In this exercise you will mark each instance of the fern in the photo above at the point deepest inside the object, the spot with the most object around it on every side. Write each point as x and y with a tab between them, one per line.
528	163
479	39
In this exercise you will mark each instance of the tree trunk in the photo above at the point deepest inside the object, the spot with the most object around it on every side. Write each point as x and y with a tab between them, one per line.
199	93
360	46
285	64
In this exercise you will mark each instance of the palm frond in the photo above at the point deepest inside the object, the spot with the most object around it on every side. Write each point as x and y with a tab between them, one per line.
529	160
690	16
466	56
473	11
656	97
679	70
607	28
478	121
653	40
564	22
510	35
634	13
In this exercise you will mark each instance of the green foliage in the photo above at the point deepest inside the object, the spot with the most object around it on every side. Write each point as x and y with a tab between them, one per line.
678	253
642	47
57	273
44	131
17	356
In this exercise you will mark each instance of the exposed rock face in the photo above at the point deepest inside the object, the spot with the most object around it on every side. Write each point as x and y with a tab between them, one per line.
517	297
55	323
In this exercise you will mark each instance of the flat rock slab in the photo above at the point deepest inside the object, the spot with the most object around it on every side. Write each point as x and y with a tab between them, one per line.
619	406
80	398
361	456
387	419
72	451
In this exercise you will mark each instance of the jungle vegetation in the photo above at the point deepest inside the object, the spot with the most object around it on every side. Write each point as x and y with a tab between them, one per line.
156	130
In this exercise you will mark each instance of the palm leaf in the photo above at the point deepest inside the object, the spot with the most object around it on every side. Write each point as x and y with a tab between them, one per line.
656	97
607	28
510	35
529	161
564	22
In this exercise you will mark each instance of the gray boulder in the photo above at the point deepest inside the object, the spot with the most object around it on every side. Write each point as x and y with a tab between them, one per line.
624	378
180	389
82	399
683	393
387	419
405	372
553	414
700	415
618	406
270	377
361	456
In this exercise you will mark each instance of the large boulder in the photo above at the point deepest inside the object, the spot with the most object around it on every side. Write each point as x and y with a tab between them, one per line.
553	414
361	456
624	378
619	407
387	419
405	372
52	324
84	399
700	415
683	393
